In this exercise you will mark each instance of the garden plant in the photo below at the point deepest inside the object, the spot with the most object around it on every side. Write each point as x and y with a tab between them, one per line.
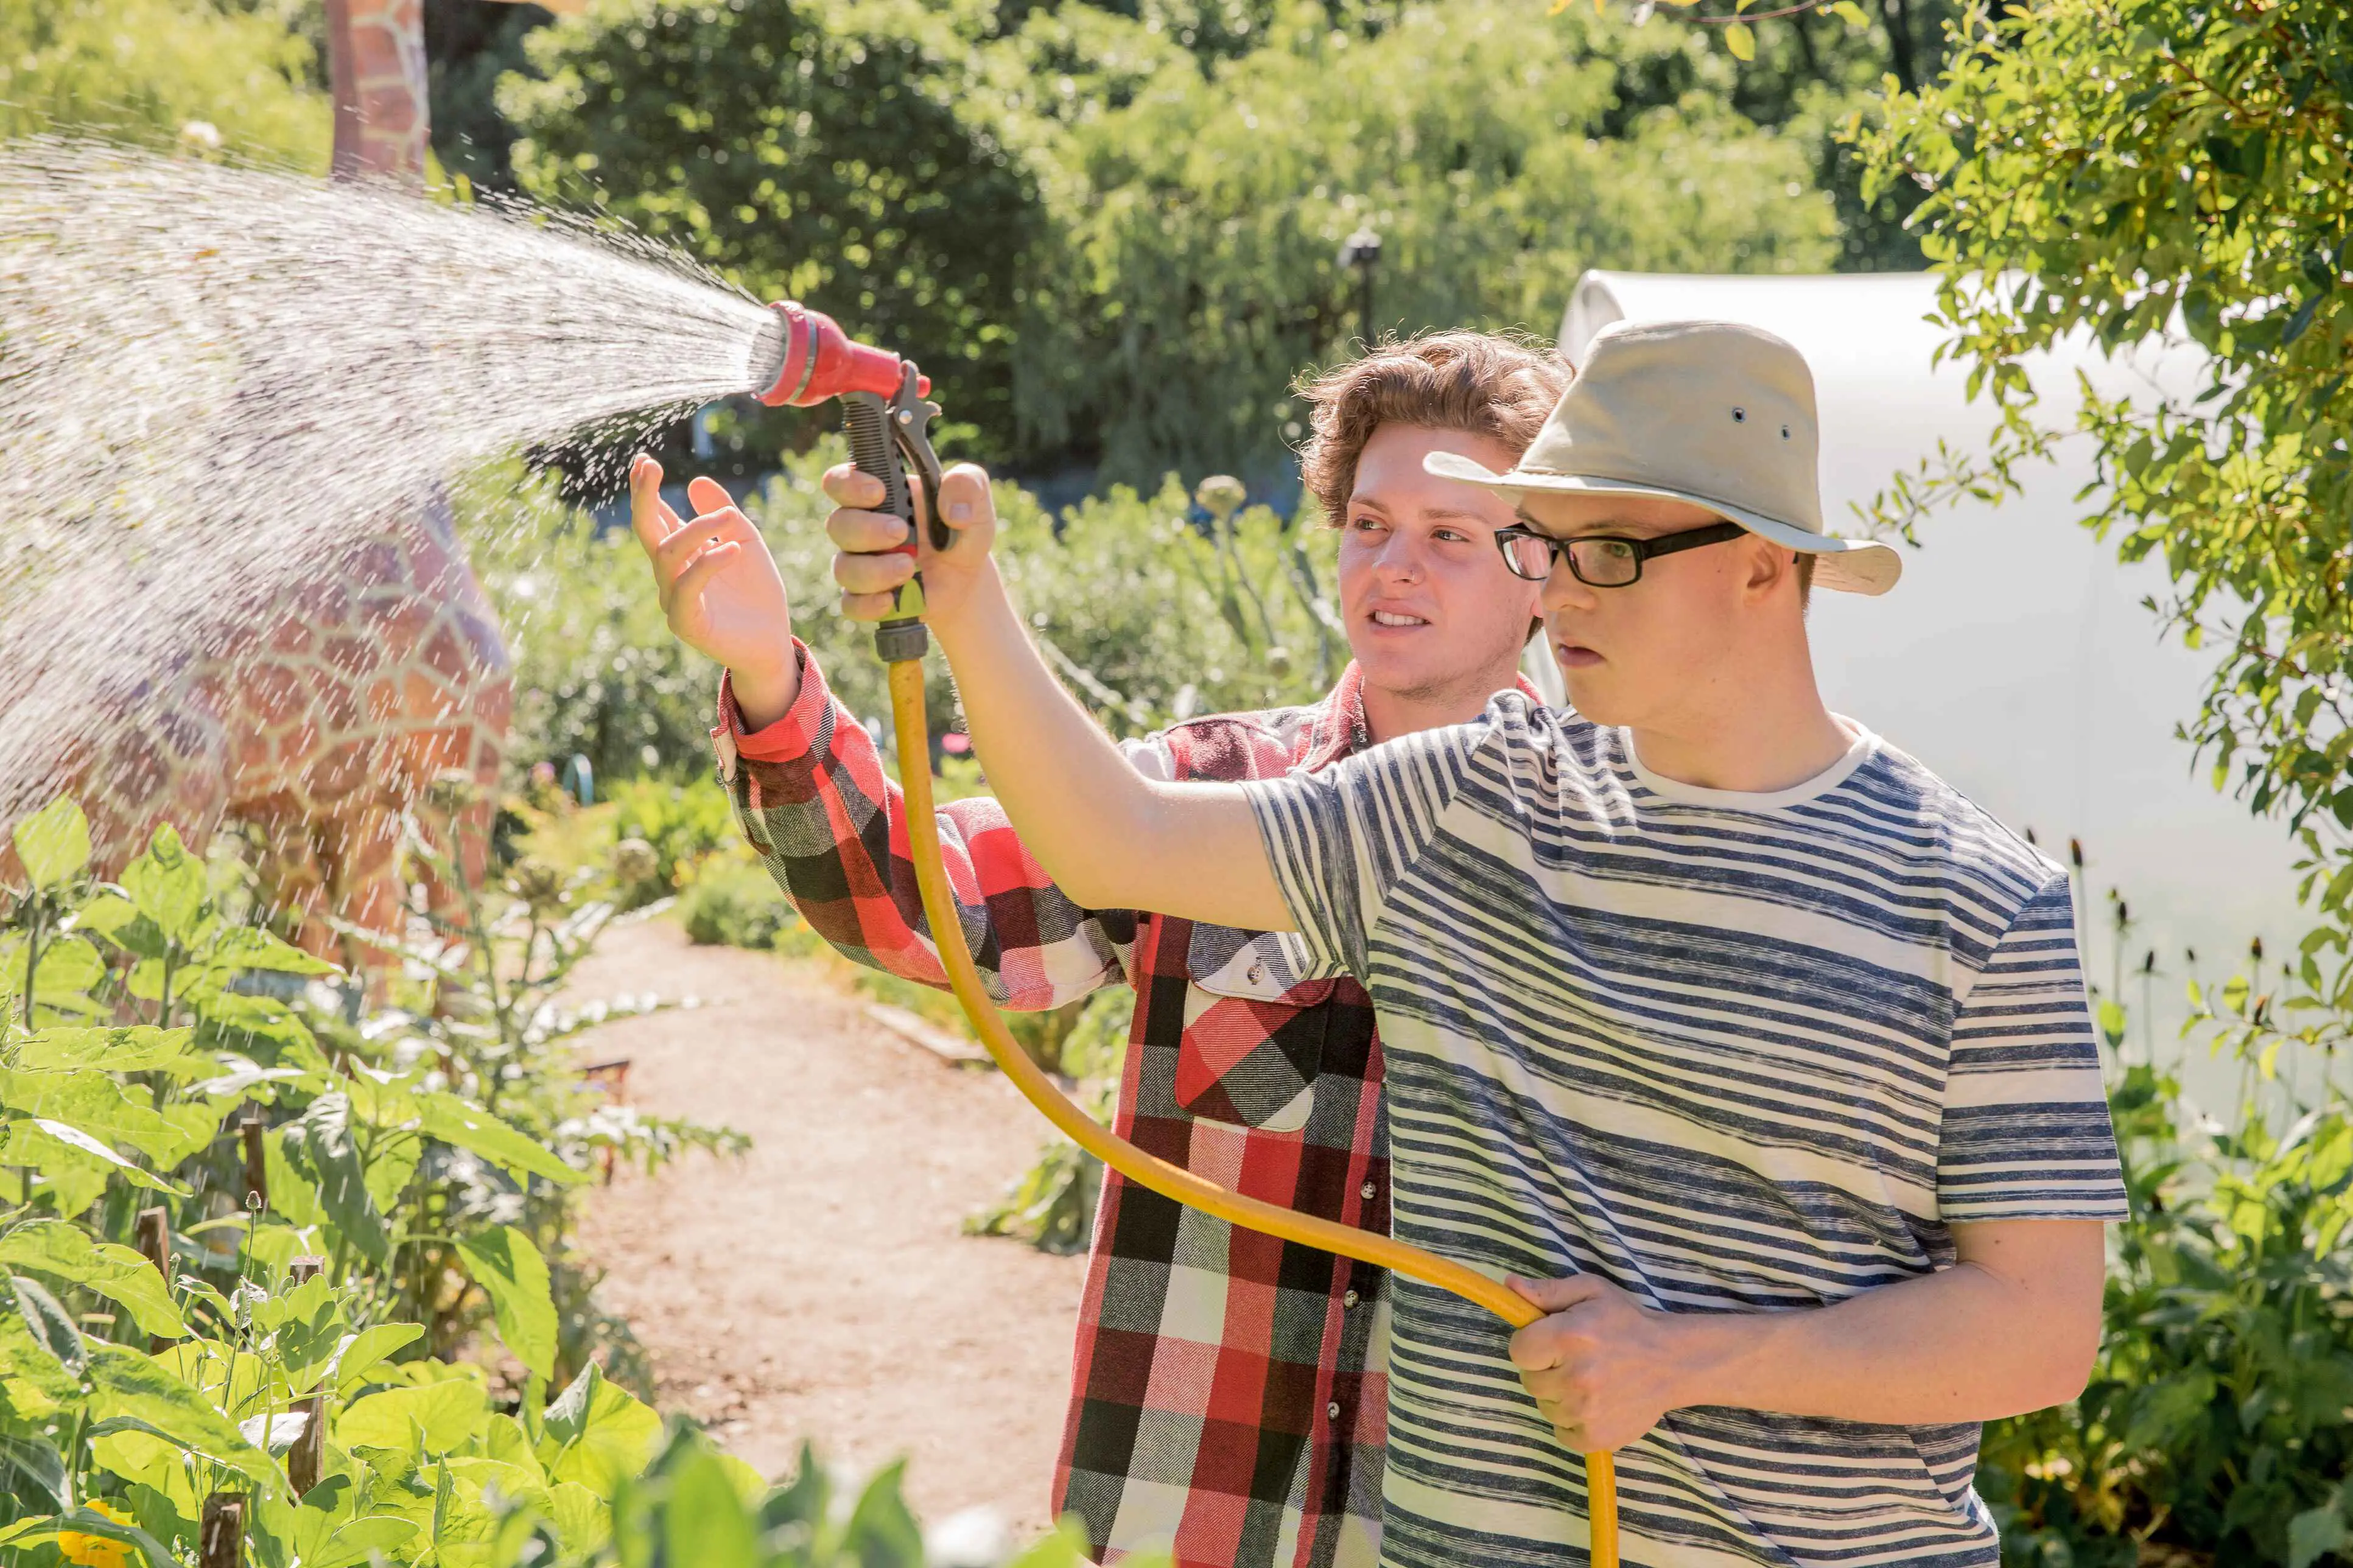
2114	170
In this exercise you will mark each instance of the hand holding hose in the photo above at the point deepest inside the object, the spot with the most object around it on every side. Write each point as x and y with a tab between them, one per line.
870	579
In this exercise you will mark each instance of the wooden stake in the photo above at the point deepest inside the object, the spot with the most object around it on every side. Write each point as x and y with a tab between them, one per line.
220	1540
154	1231
257	1164
308	1456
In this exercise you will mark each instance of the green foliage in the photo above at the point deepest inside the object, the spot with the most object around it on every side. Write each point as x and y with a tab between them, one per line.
596	669
2123	168
2216	1420
205	78
681	824
1193	270
1151	609
1108	246
830	150
692	1506
141	1017
2120	168
734	903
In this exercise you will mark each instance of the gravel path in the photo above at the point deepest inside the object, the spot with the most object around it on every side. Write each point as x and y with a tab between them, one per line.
820	1288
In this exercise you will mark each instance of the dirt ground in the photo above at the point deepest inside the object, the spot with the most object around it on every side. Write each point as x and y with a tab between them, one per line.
820	1287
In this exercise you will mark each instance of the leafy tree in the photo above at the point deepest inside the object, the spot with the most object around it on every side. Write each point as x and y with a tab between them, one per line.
1193	269
209	79
2122	169
816	149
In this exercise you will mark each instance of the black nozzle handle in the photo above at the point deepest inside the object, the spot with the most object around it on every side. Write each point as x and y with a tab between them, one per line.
874	450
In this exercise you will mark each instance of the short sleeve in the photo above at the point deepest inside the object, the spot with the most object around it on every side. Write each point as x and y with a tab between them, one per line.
2026	1133
1341	840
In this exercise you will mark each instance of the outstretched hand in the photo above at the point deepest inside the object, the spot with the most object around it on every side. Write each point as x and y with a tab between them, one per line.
869	579
719	589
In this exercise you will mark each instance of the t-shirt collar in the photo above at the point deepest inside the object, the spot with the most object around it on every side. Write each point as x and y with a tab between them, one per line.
1858	753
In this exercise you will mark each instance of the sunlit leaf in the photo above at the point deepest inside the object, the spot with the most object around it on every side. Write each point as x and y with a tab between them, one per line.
505	1264
53	844
45	1145
51	1329
132	1384
432	1418
323	1147
371	1347
706	1522
601	1435
123	1276
468	1127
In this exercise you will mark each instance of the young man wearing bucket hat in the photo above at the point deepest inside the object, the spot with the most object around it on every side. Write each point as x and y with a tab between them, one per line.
1754	1051
1227	1399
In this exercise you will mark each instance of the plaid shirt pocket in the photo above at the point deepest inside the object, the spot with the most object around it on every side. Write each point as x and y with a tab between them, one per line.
1253	1037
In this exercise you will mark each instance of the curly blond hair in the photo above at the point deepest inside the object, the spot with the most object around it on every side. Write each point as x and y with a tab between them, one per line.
1479	384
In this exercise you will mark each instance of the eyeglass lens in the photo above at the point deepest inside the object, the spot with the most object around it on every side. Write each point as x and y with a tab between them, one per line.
1602	562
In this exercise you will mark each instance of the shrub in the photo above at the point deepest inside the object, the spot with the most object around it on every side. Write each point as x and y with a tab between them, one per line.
734	903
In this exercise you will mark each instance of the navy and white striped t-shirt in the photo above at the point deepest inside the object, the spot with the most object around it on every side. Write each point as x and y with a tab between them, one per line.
1732	1053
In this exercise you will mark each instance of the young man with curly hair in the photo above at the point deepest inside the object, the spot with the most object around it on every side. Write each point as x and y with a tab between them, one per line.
1228	1396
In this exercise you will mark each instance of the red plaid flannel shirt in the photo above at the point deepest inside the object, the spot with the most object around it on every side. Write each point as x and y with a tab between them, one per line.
1229	1393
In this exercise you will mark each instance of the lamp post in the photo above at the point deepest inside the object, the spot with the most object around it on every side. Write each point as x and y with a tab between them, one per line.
1362	251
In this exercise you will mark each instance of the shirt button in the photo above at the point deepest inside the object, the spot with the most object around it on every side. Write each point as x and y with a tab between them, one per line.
1332	1411
1349	1300
1367	1192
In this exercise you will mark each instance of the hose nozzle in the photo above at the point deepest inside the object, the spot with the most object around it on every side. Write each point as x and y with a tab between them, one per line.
805	358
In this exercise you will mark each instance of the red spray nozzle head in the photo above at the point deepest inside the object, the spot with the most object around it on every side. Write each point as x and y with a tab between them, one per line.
815	360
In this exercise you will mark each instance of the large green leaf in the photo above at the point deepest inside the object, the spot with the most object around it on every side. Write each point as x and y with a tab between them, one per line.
321	1145
504	1263
39	1463
367	1350
117	1273
292	1196
167	883
2315	1533
51	1329
135	1386
53	843
322	1540
706	1523
109	913
429	1419
37	1386
138	1047
250	947
94	1102
455	1121
881	1524
583	1521
69	968
599	1435
47	1145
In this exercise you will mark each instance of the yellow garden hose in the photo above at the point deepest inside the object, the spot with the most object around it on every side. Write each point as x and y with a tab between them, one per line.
911	728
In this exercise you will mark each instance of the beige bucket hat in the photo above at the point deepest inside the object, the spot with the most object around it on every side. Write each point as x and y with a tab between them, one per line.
1711	413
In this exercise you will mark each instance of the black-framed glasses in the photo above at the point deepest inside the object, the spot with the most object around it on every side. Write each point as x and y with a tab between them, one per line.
1600	560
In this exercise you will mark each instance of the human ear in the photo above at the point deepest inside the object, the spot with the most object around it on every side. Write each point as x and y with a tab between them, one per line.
1770	567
